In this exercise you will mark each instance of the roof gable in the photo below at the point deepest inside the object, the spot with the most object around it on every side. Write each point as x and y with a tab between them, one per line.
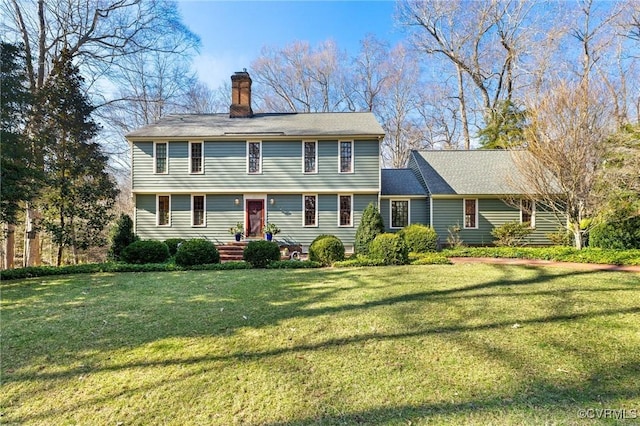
400	182
477	172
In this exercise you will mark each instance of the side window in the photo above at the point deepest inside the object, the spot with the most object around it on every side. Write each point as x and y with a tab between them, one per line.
310	157
254	157
399	213
163	215
195	157
471	213
198	210
310	210
528	212
160	151
345	205
346	156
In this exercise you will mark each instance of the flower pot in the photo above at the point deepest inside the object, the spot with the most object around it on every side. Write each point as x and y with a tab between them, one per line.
269	236
238	236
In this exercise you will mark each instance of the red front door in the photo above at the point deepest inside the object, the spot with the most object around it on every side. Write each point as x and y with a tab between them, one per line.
255	218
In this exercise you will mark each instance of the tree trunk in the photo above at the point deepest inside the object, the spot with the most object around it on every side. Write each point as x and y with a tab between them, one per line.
32	238
463	110
10	246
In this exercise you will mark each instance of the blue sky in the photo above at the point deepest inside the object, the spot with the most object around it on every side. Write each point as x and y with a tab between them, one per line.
233	32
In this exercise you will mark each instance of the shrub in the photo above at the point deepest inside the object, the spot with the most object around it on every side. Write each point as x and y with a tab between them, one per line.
122	235
371	225
146	251
197	252
326	250
173	244
562	237
419	238
511	234
428	259
260	253
453	239
390	248
616	233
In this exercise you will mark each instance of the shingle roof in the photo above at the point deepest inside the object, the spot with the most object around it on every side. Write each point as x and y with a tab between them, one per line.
400	182
479	172
273	124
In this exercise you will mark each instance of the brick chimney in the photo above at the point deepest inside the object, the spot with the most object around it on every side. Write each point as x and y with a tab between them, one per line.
240	95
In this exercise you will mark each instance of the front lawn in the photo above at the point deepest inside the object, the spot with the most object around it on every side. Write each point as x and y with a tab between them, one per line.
478	344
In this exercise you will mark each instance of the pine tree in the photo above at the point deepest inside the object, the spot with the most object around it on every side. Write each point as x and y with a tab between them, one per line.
78	202
370	226
19	176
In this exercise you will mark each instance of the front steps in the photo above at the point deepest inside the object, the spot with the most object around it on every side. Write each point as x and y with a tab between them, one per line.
231	252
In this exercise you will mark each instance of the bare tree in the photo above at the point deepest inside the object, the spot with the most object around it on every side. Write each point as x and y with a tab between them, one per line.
566	139
99	35
481	40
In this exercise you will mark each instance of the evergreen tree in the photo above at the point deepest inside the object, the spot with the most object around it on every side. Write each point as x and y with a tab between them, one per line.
81	193
370	226
122	236
505	127
20	178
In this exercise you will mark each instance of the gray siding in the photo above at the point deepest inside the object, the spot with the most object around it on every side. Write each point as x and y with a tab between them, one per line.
418	211
222	213
491	213
225	167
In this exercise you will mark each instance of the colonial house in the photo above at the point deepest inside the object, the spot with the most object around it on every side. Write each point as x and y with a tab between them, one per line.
195	176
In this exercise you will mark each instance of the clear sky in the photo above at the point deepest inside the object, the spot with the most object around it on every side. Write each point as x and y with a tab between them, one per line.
233	32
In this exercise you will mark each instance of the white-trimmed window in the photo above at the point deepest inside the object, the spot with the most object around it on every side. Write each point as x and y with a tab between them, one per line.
254	157
161	157
310	210
196	157
163	210
528	212
470	206
345	210
345	156
310	156
198	210
399	213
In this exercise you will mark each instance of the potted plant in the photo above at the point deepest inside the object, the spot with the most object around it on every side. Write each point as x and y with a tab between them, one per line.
270	229
237	231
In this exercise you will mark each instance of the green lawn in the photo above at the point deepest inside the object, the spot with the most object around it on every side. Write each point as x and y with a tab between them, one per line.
481	344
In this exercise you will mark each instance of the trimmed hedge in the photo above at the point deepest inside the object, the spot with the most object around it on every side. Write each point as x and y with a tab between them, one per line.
293	264
419	238
390	248
557	253
326	249
371	225
260	253
145	251
197	252
428	259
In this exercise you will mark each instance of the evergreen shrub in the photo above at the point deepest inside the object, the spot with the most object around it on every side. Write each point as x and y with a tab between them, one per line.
389	248
511	234
146	251
616	233
122	235
371	225
260	253
326	250
419	238
173	244
197	251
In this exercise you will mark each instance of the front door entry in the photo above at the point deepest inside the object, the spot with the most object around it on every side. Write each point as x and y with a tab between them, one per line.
255	218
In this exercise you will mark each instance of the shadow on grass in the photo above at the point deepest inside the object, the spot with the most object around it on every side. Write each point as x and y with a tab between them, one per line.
288	296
